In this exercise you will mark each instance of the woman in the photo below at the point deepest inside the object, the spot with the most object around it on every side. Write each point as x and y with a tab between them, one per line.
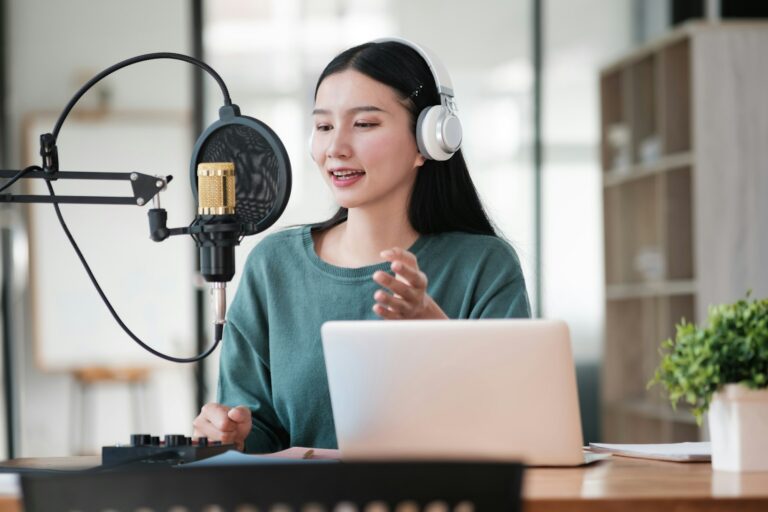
399	211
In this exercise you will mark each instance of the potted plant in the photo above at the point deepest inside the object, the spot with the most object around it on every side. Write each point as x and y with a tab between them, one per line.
722	368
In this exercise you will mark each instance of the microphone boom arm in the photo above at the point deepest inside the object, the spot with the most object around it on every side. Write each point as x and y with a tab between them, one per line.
145	187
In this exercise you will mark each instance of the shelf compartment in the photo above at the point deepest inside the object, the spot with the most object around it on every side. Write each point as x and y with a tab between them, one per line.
643	244
615	235
675	102
646	141
635	330
677	213
671	310
614	112
649	229
631	327
633	238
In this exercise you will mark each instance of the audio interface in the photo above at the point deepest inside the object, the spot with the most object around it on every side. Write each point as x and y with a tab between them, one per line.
172	449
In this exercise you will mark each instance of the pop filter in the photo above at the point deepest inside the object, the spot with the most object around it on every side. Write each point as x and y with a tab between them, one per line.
247	151
262	167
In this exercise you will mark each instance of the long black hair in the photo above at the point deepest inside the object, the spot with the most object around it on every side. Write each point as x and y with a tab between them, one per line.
443	196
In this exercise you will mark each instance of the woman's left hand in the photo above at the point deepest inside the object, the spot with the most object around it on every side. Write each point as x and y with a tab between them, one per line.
408	299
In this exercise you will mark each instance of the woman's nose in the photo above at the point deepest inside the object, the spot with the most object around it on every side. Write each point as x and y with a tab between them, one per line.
338	145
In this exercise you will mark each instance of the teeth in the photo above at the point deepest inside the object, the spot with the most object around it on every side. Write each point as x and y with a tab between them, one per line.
341	174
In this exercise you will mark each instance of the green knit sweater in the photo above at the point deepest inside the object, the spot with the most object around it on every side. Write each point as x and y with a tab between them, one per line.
271	355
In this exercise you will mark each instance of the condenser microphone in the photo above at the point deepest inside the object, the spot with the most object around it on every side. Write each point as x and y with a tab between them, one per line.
216	209
241	176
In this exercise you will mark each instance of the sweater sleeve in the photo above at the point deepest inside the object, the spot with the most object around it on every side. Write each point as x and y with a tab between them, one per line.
244	370
501	291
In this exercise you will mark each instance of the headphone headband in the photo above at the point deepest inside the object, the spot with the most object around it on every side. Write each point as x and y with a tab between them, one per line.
438	129
442	78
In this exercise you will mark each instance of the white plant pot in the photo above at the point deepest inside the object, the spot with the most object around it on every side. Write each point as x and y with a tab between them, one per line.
738	428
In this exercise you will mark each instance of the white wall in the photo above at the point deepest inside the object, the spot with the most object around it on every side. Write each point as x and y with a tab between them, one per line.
54	46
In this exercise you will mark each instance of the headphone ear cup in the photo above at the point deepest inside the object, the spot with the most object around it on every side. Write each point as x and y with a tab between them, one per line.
438	133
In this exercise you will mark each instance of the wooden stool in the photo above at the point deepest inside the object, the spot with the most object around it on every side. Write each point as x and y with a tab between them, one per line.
85	380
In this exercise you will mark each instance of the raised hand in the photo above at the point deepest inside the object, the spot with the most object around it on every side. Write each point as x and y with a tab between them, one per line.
407	297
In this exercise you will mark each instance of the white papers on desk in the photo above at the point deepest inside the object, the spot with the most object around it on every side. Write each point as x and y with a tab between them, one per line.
677	452
10	484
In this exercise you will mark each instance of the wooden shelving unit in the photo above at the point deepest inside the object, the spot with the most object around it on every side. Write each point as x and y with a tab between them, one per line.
684	154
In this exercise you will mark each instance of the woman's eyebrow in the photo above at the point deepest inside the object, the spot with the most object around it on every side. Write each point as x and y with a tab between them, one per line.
363	108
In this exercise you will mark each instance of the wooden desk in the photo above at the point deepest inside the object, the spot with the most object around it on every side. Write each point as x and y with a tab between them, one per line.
616	485
638	485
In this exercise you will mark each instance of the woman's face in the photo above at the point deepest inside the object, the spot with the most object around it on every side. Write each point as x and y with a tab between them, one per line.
362	140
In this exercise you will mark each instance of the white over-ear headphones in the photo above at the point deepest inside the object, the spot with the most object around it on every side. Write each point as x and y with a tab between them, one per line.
438	129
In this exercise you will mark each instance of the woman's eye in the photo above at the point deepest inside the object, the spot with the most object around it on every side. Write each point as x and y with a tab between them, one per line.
322	127
365	124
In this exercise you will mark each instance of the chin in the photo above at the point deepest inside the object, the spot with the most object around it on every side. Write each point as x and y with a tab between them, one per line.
349	203
349	199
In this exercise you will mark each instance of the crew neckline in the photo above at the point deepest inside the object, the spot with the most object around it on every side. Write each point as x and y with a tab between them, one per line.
350	273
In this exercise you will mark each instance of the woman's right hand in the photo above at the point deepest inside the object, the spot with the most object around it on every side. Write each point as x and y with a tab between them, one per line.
222	423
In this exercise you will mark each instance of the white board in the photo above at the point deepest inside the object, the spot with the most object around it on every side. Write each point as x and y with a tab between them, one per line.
150	284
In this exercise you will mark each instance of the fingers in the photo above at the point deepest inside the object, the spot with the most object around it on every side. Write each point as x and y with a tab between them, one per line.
223	423
405	303
406	276
408	286
411	274
397	253
218	416
394	304
240	414
397	287
204	428
409	298
386	313
406	266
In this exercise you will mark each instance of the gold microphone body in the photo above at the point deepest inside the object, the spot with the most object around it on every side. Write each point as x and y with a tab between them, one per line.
216	188
219	230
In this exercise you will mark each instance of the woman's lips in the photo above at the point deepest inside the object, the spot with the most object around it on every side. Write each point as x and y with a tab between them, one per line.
345	177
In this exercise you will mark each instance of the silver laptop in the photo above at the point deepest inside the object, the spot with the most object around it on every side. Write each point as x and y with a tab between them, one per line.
456	389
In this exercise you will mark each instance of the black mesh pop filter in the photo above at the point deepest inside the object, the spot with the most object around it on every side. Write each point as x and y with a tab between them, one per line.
262	168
